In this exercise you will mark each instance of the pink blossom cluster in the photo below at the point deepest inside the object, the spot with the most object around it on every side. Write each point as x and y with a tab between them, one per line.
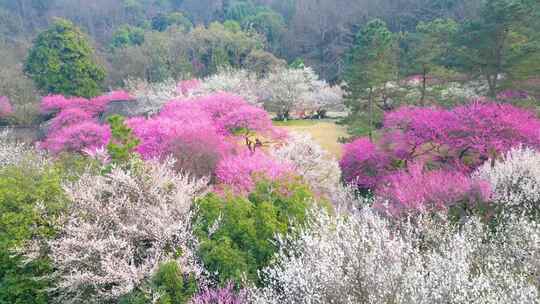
512	95
459	139
225	295
463	137
364	164
418	190
213	118
241	171
200	133
86	135
5	107
75	128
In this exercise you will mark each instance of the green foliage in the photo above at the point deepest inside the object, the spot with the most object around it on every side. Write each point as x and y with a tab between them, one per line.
22	189
372	63
232	26
122	143
238	10
127	35
268	23
236	233
62	61
493	44
298	63
163	21
169	281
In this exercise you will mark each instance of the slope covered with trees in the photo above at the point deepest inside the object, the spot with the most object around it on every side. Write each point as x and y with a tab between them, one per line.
161	166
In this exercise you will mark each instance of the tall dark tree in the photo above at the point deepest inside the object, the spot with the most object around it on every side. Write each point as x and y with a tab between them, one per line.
372	64
491	44
62	61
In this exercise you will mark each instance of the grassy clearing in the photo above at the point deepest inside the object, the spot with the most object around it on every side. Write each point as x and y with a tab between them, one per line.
325	132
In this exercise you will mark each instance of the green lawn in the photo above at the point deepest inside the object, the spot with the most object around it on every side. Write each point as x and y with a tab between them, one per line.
325	132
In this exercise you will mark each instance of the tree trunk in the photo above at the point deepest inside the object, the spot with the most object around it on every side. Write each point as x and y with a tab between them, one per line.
492	84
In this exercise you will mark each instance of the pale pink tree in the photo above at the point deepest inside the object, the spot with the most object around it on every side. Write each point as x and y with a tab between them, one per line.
120	227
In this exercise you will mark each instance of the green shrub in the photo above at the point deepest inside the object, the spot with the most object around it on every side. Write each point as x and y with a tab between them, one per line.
236	233
169	281
62	61
22	188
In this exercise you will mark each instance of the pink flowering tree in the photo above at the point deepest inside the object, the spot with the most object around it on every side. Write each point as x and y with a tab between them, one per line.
364	164
94	106
84	136
75	127
225	295
5	107
418	190
241	171
463	137
205	126
458	139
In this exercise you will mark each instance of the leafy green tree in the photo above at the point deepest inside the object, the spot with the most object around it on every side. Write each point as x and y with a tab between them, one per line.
236	233
22	189
163	21
62	61
122	143
431	51
372	63
238	10
174	287
127	35
268	23
493	44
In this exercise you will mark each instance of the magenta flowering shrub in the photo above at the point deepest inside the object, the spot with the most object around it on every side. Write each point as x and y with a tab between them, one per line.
209	119
363	164
457	140
5	107
200	133
86	135
418	190
75	127
225	295
245	117
512	95
70	117
463	137
241	171
94	106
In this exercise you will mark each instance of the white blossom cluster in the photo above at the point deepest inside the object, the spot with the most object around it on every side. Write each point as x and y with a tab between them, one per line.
152	96
13	152
120	227
514	180
238	82
318	168
282	90
285	89
365	258
463	92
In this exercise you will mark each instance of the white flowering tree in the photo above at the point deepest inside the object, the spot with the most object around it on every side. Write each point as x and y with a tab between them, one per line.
362	258
323	98
319	169
239	82
120	228
285	90
150	97
13	152
514	180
